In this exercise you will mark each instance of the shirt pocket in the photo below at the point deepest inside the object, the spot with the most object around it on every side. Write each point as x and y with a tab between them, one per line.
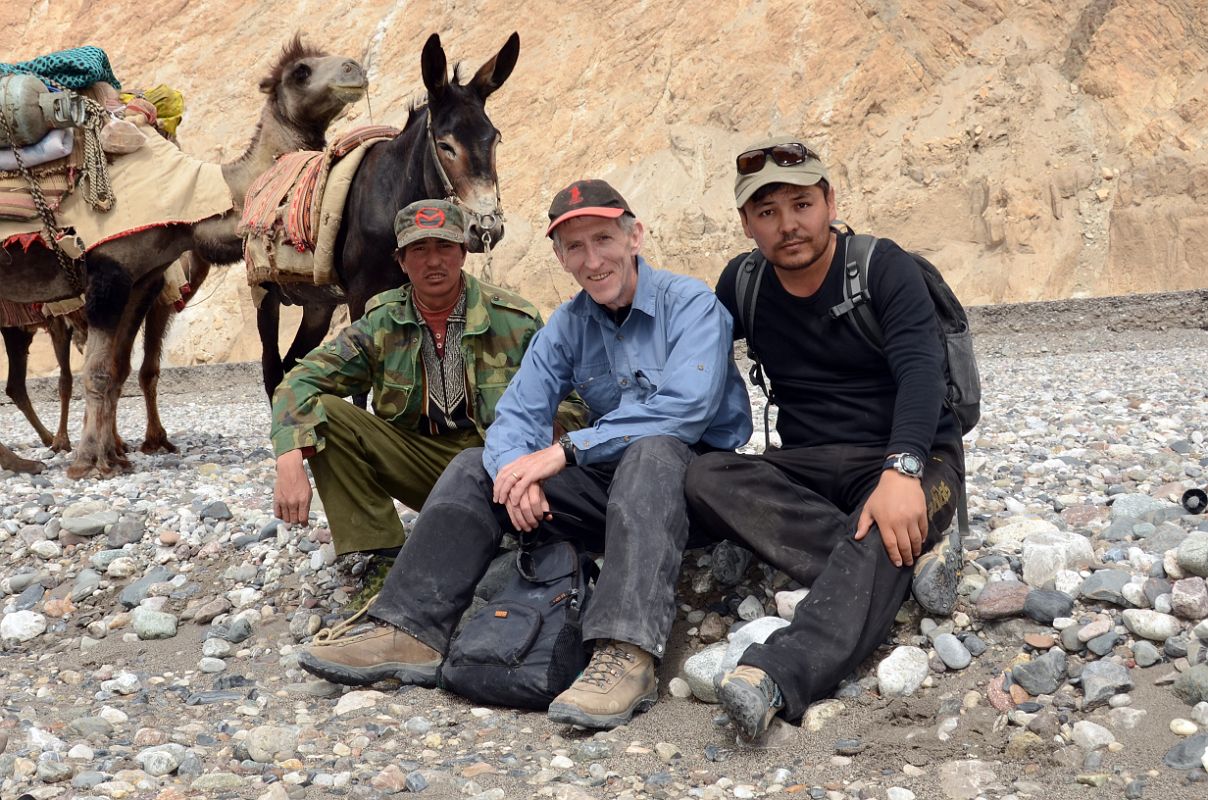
597	386
487	399
394	401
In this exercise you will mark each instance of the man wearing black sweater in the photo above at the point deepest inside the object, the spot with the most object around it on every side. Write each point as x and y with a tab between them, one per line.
871	463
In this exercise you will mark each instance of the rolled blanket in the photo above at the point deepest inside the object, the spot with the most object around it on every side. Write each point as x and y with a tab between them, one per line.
77	68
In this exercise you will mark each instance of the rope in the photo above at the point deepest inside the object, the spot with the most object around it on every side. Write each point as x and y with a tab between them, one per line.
327	635
97	191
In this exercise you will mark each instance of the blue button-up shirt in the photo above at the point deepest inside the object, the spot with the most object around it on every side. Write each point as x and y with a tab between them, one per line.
667	370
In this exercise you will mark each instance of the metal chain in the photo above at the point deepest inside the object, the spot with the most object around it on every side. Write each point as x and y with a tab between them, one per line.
97	190
70	267
486	249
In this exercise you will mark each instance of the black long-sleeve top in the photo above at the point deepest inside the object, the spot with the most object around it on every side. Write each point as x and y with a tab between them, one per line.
830	384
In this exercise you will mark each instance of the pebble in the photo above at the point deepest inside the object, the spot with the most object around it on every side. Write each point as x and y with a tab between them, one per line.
902	671
1183	727
952	652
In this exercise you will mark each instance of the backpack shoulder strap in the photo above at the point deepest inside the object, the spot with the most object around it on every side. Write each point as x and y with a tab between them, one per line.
746	290
857	299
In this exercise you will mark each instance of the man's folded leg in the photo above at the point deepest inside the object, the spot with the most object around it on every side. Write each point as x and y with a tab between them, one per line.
430	585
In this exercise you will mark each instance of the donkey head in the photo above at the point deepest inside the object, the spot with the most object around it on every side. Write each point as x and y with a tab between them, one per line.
463	136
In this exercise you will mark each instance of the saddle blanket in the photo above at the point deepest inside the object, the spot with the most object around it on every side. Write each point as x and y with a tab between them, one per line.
293	211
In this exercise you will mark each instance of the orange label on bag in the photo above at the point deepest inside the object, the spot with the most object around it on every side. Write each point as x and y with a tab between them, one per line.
501	614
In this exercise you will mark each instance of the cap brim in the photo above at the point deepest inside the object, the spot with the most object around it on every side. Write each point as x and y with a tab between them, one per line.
807	174
590	211
437	233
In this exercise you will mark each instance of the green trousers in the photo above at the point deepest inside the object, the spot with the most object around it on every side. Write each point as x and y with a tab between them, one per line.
366	463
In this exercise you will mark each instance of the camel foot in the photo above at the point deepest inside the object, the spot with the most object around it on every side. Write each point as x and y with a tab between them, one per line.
18	464
98	465
157	443
61	444
119	446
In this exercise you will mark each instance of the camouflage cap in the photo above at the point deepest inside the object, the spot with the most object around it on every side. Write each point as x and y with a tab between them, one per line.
430	219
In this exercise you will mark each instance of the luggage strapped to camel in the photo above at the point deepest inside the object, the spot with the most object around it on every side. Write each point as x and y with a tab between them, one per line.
963	396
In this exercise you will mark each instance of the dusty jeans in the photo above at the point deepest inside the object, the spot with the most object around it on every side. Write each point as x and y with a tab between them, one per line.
798	510
632	510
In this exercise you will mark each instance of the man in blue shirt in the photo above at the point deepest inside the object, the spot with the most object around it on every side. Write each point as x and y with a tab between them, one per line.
650	354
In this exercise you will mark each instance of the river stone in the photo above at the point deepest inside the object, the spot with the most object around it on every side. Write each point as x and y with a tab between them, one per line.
902	671
1187	754
787	602
1045	553
965	780
1106	585
750	608
1192	686
1145	654
89	524
1013	534
1045	606
1151	625
1041	675
161	760
1166	537
1001	599
127	530
1102	680
150	624
1090	736
699	670
21	626
1189	599
1192	554
729	563
754	632
268	744
951	651
1135	505
136	592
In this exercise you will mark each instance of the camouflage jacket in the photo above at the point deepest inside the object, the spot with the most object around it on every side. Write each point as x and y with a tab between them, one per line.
381	352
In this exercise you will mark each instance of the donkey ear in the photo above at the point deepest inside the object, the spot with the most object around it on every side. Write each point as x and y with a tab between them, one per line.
434	67
491	75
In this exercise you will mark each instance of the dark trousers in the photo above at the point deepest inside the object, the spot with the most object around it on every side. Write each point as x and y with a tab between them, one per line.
633	510
797	509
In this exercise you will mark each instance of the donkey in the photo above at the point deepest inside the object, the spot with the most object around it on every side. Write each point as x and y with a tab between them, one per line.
445	150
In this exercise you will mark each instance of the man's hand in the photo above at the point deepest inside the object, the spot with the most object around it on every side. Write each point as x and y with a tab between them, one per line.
899	509
291	490
518	486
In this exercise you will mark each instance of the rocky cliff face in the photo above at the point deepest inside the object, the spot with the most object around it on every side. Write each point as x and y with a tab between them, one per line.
1033	149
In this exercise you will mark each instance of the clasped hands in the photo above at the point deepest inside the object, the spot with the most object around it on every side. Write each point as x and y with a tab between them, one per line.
518	486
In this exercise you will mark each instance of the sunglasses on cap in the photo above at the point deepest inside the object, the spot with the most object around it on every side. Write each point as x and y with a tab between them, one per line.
789	154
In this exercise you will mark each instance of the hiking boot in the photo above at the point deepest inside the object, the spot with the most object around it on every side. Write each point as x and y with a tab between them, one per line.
751	698
382	653
936	575
618	682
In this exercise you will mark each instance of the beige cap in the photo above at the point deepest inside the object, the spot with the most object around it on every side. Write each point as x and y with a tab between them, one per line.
807	173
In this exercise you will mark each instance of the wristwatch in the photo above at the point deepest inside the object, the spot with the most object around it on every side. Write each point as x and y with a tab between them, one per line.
568	449
908	464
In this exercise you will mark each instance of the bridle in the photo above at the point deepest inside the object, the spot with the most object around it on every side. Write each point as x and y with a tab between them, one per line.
485	222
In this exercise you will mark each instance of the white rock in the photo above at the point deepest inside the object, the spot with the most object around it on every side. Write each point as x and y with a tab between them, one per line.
113	716
1090	736
750	608
1048	552
1012	535
898	793
679	688
754	632
211	665
1068	581
356	701
21	626
1183	727
902	671
700	668
820	713
46	549
786	602
561	762
1200	713
1151	625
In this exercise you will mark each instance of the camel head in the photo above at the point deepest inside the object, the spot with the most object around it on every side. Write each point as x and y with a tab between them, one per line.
464	136
308	88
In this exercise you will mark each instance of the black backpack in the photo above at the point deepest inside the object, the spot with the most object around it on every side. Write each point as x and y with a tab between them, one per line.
960	364
525	646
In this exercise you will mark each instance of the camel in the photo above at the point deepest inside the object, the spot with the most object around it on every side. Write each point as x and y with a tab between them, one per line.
446	149
305	90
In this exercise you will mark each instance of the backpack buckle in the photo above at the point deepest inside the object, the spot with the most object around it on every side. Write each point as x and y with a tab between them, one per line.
847	306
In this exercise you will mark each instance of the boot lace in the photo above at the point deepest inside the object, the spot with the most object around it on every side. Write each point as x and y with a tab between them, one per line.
606	664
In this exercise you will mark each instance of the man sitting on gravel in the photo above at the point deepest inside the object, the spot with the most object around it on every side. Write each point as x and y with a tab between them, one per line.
871	466
650	353
437	354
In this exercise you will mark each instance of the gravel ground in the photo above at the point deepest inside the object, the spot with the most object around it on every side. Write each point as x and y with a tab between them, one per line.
150	624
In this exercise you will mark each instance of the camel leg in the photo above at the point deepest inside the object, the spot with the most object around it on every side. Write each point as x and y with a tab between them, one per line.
60	336
16	345
11	461
268	320
154	329
116	310
126	332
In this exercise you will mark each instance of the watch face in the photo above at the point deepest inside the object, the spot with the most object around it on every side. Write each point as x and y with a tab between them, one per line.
910	464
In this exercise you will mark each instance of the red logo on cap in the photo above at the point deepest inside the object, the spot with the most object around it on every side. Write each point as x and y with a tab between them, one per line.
576	196
429	217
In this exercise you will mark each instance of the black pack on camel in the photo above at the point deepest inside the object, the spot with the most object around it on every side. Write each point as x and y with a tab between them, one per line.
115	224
320	230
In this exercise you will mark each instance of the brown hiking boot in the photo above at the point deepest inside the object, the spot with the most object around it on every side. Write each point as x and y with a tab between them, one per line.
750	698
618	682
382	653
